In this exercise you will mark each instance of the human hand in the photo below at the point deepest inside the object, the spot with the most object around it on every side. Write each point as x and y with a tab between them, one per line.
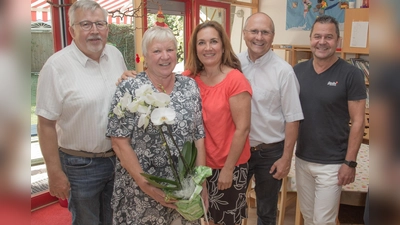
225	179
157	194
125	75
59	185
280	169
346	175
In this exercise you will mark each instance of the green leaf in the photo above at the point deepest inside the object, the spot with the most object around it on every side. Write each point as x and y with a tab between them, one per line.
160	182
189	153
194	156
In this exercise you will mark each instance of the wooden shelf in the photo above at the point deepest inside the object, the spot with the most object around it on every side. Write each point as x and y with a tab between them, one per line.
294	52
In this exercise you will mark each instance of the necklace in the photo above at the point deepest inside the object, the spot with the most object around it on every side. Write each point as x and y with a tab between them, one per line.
161	88
158	86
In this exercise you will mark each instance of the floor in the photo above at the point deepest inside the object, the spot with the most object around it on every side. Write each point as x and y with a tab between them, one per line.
349	215
289	216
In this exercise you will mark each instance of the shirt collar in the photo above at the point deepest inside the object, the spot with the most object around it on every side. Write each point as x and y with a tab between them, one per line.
263	58
83	59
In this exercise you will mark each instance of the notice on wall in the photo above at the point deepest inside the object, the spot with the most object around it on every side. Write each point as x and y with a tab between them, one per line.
359	34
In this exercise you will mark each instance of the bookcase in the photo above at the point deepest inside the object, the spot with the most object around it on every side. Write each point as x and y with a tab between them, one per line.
356	15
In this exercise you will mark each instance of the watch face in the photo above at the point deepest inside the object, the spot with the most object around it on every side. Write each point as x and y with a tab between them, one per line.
351	163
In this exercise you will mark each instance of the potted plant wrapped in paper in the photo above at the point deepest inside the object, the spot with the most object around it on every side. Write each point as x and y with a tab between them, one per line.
188	178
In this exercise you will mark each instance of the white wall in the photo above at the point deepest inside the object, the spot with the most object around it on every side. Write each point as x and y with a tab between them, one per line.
276	9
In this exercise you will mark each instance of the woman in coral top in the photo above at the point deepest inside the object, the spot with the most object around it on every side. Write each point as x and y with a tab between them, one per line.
226	96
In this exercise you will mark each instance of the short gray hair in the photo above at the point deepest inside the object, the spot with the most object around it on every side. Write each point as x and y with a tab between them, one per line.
157	33
84	5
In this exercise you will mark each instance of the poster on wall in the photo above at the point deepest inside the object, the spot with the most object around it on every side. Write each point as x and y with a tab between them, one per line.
301	14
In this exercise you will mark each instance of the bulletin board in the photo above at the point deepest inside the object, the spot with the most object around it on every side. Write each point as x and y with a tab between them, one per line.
354	15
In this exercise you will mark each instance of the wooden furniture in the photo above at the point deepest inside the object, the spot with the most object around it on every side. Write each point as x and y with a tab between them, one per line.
366	130
353	15
294	52
285	199
250	200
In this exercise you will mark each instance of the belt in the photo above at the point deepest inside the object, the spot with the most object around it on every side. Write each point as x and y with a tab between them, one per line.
106	154
264	146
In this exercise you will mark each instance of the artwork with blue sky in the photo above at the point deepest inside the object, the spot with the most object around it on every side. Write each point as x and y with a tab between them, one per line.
301	14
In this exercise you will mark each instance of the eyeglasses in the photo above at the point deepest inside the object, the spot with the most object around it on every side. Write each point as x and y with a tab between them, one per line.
263	32
88	25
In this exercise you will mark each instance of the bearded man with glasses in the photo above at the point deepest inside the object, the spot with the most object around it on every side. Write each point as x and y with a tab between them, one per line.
75	89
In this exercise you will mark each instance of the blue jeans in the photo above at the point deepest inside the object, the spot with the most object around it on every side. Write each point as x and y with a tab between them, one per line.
267	188
92	183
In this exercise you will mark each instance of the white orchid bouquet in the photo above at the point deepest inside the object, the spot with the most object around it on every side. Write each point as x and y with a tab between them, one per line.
188	178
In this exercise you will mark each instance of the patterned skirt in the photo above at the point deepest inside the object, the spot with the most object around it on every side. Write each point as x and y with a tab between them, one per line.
228	207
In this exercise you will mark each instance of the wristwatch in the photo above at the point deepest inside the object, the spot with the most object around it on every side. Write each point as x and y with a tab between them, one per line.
351	164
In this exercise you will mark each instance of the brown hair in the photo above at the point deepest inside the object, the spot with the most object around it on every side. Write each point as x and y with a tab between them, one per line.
228	56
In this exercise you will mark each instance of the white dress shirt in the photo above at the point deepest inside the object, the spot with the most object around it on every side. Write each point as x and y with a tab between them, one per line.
76	91
275	99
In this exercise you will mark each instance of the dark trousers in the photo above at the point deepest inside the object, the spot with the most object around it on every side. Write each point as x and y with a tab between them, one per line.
267	188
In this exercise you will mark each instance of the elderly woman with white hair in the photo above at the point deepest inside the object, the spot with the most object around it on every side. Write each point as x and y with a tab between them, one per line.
139	149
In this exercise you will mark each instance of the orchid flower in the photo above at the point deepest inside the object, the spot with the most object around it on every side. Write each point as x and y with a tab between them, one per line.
143	121
144	109
133	106
163	115
161	99
118	111
144	116
144	90
125	100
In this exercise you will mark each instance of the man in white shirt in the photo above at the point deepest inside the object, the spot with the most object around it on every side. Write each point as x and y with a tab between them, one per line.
275	114
75	90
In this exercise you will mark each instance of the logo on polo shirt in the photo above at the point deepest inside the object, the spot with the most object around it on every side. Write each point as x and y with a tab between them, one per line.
332	83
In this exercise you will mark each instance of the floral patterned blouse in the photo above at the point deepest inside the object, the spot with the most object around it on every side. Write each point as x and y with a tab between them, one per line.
130	204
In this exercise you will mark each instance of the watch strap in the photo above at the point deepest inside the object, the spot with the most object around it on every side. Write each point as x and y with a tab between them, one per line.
351	164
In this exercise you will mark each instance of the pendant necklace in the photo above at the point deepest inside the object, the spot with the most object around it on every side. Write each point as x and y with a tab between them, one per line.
159	87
